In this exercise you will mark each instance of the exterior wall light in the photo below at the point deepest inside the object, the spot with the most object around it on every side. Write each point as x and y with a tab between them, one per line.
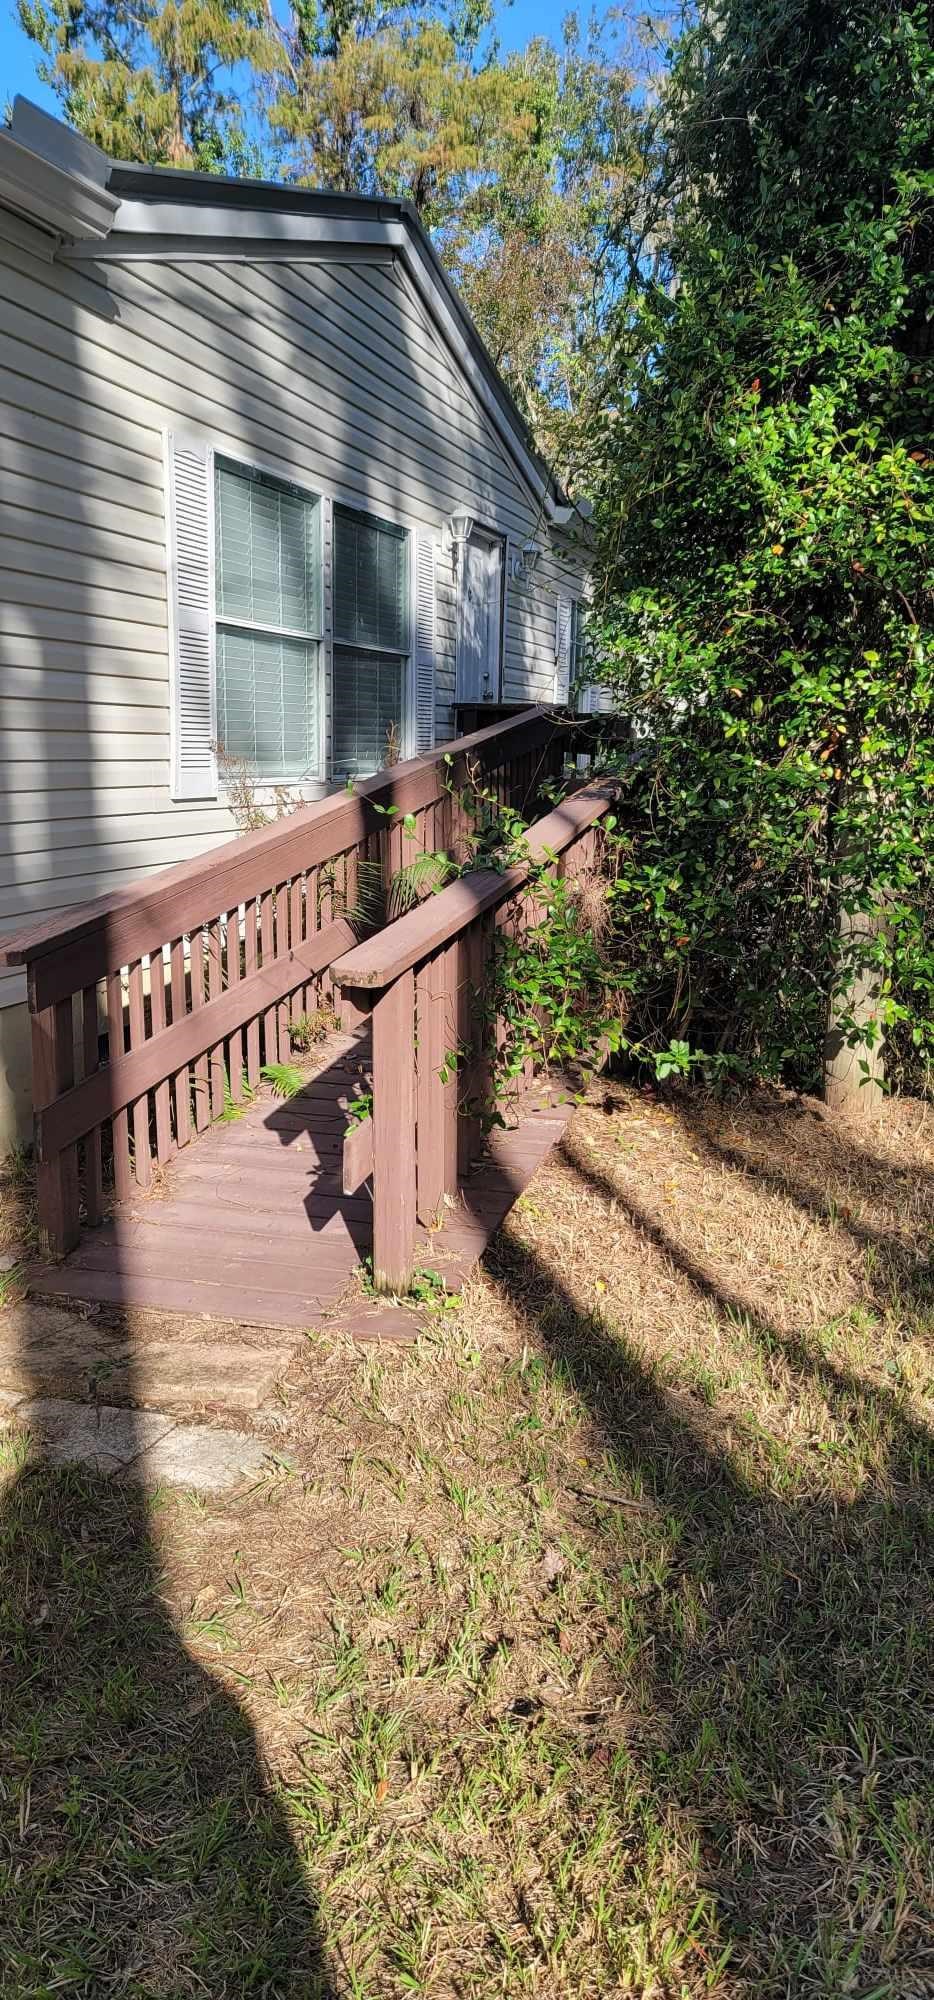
525	562
460	528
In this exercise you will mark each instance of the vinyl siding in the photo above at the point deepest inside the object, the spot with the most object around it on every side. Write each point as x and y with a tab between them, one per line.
333	376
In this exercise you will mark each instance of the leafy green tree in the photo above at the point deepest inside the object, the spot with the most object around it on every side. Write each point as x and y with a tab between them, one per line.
766	592
528	170
162	84
384	100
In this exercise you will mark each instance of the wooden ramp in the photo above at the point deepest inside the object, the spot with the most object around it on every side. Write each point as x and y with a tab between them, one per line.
249	1223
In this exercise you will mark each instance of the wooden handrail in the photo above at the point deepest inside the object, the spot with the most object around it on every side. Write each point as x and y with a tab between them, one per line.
130	922
423	978
203	973
374	964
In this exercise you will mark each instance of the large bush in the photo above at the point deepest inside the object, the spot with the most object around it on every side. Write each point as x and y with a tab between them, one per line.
766	595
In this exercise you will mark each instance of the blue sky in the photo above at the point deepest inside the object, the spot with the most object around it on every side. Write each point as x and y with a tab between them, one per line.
515	25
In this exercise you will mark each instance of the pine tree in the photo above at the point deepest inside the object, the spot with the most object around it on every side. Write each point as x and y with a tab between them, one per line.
162	84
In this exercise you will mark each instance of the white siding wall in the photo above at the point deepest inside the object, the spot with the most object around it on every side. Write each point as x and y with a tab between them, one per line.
330	375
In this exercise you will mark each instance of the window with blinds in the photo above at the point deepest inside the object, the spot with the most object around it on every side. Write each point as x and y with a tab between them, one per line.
371	640
269	623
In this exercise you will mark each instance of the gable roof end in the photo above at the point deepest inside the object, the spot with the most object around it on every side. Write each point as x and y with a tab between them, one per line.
105	209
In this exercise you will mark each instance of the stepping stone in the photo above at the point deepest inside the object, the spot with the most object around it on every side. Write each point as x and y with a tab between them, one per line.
217	1374
208	1461
46	1351
90	1434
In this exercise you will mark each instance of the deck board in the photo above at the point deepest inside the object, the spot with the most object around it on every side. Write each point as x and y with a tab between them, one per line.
249	1223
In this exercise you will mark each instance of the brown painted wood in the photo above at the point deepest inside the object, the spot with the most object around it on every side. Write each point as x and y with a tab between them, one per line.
296	934
250	962
230	1299
120	1123
234	975
381	959
436	1084
93	1173
56	1167
78	1109
139	1106
181	1077
268	948
161	1094
357	1155
86	943
201	1076
394	1136
217	1067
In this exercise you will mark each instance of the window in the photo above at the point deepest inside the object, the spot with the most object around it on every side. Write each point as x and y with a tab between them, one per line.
269	622
371	639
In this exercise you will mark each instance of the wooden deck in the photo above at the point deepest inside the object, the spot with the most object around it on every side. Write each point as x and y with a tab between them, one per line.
249	1223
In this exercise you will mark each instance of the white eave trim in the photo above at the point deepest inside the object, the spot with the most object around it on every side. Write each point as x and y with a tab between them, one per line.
62	201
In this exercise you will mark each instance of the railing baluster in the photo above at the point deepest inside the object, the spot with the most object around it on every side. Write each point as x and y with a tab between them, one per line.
93	1175
182	1078
394	1194
296	999
139	1112
267	943
216	1065
53	1068
436	1083
161	1093
235	1044
120	1123
249	965
283	1011
202	1081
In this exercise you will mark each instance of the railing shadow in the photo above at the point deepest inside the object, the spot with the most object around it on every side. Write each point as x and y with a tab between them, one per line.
786	1619
316	1117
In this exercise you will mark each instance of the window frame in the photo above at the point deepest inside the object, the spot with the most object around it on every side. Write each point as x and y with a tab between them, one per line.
338	645
264	475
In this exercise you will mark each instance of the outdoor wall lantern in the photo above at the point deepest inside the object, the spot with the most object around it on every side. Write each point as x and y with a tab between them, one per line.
525	562
460	528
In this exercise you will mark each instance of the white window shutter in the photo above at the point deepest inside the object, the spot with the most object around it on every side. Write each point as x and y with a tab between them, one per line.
425	677
562	650
190	498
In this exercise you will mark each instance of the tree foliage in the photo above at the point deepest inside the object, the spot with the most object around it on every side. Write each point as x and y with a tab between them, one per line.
156	83
766	591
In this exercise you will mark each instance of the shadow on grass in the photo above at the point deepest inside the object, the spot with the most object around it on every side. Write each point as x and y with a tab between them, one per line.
778	1640
822	1183
141	1850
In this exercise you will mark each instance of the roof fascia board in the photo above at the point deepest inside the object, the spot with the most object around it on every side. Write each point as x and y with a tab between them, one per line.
61	200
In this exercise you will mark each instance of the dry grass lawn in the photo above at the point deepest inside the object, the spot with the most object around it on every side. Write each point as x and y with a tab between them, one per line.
582	1650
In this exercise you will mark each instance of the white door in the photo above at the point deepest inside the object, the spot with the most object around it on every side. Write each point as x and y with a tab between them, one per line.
480	619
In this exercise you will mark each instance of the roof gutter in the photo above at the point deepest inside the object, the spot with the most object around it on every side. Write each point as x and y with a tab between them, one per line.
60	195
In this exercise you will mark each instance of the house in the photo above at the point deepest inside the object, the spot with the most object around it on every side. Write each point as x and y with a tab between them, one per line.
262	491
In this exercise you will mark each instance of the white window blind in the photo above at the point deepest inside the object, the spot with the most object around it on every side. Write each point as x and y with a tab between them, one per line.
371	640
268	608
